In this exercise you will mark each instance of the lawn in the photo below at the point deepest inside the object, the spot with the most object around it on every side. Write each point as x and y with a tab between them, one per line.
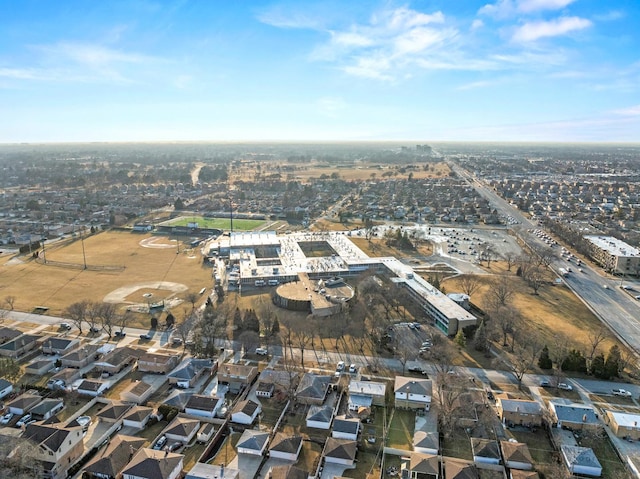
192	453
538	443
458	444
227	451
400	432
612	467
218	223
34	284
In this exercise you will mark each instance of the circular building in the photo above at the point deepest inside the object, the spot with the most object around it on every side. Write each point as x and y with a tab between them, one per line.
319	297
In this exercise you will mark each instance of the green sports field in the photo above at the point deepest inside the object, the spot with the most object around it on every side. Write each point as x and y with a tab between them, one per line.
219	223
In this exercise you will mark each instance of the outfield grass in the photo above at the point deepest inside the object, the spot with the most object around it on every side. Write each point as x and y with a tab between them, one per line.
218	223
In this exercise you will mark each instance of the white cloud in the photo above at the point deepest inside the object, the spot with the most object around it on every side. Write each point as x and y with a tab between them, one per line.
533	31
610	16
509	8
528	6
630	111
91	54
477	24
331	106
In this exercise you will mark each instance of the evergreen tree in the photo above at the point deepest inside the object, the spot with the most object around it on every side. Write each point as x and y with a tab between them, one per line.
480	339
250	321
275	327
460	340
612	364
544	361
598	367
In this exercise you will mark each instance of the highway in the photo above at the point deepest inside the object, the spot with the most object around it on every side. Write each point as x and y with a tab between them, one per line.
602	295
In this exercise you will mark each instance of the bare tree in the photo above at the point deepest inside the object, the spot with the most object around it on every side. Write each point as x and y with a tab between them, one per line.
17	459
106	316
525	354
122	320
403	352
192	298
535	277
505	318
77	313
93	315
502	290
510	259
249	340
595	338
9	302
185	327
469	283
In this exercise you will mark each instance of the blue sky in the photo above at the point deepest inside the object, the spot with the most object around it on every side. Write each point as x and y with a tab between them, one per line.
213	70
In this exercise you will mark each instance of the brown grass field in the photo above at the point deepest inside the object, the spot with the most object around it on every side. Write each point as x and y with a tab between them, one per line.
55	287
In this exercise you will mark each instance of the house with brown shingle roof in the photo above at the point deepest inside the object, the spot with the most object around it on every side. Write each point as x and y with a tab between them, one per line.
152	464
459	469
313	389
412	393
19	346
204	406
285	446
8	334
485	451
516	455
245	412
424	466
80	357
340	451
182	429
58	447
137	392
137	417
113	412
62	346
157	363
286	472
237	376
109	463
519	474
118	359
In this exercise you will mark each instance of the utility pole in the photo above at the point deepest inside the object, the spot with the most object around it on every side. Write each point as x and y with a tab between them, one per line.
84	256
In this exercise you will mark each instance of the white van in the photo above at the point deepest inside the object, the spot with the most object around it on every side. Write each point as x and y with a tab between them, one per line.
260	282
273	282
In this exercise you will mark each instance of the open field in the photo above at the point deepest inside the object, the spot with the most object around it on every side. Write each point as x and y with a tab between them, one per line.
218	223
34	284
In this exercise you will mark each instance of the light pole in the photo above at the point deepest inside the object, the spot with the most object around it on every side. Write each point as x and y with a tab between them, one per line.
84	256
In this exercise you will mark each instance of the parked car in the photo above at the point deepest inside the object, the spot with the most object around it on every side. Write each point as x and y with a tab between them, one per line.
340	366
174	446
565	387
622	392
6	419
353	369
160	443
262	351
23	420
120	334
65	326
93	329
55	384
176	341
145	337
544	383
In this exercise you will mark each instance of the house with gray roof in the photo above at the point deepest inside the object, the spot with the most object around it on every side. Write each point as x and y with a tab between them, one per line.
313	389
6	388
245	412
252	442
137	417
152	464
58	447
516	455
188	371
62	346
93	387
319	417
286	472
8	334
366	394
19	346
80	357
581	460
137	392
412	393
182	429
424	466
485	451
211	471
237	376
340	451
345	428
47	408
113	412
573	416
426	442
39	367
24	403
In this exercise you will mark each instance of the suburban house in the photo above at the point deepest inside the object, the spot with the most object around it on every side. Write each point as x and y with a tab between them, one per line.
58	447
113	412
110	461
137	392
319	417
93	387
313	389
211	471
412	393
459	469
118	359
46	409
271	381
286	472
285	446
188	371
426	442
8	334
157	363
581	460
519	412
24	403
340	451
61	346
573	415
203	406
485	451
237	376
182	429
39	367
424	466
152	464
137	417
205	432
365	394
6	388
516	455
346	428
252	442
19	346
67	375
245	412
80	357
623	424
